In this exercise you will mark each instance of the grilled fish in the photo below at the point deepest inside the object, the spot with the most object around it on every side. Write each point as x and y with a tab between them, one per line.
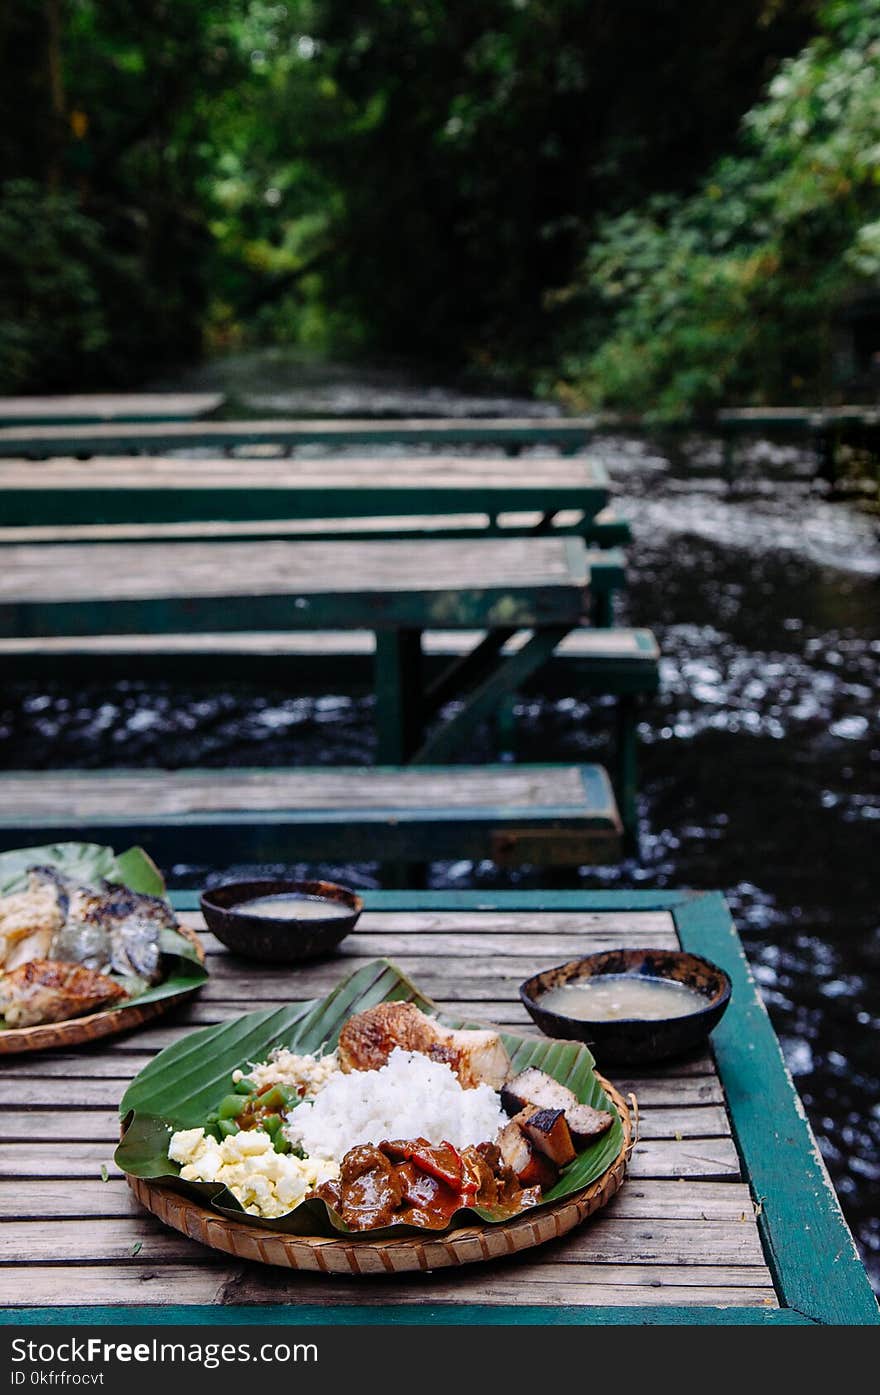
43	991
367	1040
107	928
114	929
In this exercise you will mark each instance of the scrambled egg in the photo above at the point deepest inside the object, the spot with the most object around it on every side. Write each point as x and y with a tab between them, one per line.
266	1183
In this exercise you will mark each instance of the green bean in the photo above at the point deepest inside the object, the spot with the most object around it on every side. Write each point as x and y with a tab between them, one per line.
230	1107
228	1128
245	1086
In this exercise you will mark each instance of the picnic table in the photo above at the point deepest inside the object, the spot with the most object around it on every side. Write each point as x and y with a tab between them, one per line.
727	1215
84	409
397	589
146	492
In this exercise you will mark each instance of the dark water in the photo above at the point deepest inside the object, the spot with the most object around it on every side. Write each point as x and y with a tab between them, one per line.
760	758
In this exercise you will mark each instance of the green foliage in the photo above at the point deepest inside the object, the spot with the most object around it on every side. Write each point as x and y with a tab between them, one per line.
731	293
51	317
405	175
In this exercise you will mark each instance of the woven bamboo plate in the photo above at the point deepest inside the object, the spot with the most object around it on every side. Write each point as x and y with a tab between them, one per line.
78	1030
318	1254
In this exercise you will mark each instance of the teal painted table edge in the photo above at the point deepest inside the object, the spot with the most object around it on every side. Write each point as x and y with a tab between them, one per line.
818	1275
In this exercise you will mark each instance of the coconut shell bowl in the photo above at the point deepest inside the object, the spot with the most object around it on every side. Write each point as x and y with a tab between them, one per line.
283	939
633	1040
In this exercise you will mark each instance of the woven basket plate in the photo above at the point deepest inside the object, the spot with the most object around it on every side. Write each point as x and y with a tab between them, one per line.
360	1255
78	1030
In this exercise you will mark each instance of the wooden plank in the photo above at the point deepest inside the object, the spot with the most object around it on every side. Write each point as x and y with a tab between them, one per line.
604	529
714	1159
134	1285
282	434
331	472
107	1077
806	418
90	408
338	662
142	587
605	1240
156	570
637	1201
626	646
252	814
81	1114
338	492
307	788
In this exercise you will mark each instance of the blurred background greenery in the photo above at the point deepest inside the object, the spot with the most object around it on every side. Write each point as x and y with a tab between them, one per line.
613	205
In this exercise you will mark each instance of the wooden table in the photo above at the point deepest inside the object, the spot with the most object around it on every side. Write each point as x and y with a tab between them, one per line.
727	1216
144	492
397	589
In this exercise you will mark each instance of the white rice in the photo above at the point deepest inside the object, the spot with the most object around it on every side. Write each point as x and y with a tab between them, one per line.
409	1097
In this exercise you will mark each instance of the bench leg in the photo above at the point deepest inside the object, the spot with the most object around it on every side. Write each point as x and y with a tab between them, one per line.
398	682
506	726
482	701
627	768
603	609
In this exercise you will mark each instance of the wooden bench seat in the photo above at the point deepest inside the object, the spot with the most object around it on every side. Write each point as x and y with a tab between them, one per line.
535	814
596	661
279	434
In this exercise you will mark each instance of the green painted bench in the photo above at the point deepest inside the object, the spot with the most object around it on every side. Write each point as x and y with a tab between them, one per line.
116	499
89	409
280	434
827	428
531	814
623	663
396	589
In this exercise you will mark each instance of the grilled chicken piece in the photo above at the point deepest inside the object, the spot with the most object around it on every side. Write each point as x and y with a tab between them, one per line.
549	1132
29	919
43	991
531	1168
536	1087
367	1040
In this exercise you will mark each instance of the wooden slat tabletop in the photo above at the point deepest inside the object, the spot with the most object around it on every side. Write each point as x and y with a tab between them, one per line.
89	408
681	1232
455	473
165	587
162	491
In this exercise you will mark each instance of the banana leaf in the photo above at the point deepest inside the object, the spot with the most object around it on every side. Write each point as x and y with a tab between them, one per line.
178	1088
90	863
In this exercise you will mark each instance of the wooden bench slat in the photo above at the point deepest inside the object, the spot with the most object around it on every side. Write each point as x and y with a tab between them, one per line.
153	438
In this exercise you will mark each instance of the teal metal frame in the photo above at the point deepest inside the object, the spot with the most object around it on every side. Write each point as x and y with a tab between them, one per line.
818	1275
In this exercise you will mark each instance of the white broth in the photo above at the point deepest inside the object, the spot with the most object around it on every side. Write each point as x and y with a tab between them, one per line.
609	997
293	905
